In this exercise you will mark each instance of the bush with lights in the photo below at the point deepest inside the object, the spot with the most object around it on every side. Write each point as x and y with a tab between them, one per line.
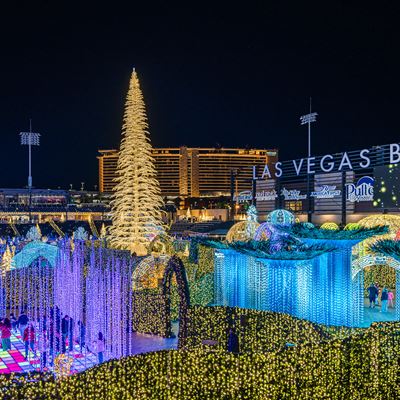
363	365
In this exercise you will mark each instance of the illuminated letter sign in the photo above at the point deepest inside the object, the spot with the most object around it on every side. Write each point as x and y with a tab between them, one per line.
363	191
292	194
325	192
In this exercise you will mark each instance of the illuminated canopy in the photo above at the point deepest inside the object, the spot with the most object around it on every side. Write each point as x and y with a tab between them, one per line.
32	251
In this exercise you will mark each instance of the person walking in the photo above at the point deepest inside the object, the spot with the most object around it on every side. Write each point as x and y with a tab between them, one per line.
378	292
82	335
5	328
67	331
233	341
99	347
384	300
390	299
22	323
43	348
372	293
29	340
13	321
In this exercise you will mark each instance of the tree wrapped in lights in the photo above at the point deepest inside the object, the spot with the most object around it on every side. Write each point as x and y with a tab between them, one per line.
33	233
137	201
6	260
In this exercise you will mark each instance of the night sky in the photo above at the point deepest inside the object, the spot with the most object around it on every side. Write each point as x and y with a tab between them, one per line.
210	75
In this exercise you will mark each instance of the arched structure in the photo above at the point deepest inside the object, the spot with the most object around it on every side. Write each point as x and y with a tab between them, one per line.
370	260
149	267
175	266
32	251
161	244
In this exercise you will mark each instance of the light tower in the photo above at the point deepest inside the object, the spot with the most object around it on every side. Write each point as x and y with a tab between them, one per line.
308	119
30	139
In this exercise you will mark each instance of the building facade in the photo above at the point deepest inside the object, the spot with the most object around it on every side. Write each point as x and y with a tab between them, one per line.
194	172
342	187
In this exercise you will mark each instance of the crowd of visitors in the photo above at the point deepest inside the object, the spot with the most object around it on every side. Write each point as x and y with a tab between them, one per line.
53	337
387	297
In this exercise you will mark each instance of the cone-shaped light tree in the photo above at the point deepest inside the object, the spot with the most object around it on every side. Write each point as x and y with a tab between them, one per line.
136	204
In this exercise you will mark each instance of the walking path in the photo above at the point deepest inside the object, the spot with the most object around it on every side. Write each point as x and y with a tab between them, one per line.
15	361
375	315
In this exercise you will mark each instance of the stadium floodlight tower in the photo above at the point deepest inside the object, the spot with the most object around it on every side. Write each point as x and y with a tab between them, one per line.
307	119
30	139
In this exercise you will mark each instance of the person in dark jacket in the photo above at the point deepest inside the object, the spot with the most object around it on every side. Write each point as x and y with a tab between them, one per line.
66	331
82	335
233	341
384	299
372	295
22	323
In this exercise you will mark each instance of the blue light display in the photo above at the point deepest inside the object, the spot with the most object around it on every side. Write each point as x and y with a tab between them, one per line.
320	289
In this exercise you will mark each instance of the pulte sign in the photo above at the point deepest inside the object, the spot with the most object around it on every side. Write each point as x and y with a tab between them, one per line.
347	161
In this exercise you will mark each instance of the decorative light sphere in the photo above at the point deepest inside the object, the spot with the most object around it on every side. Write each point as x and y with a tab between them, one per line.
352	226
330	226
281	217
264	231
391	221
242	231
308	225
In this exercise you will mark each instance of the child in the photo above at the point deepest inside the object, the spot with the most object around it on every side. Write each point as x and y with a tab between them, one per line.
13	322
390	298
5	328
43	346
29	340
99	347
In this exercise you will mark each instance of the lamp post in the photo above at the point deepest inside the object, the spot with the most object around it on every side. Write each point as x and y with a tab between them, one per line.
30	139
308	119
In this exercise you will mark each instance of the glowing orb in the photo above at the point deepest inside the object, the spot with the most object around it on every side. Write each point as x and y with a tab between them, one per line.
331	226
352	226
281	217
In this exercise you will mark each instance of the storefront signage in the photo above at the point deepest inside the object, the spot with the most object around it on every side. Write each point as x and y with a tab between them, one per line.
363	191
292	194
266	195
327	163
243	196
326	192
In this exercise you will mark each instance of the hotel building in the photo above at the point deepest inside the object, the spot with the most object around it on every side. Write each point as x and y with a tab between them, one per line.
195	172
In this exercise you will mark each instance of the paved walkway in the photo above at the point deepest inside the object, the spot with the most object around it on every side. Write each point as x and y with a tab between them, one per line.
375	315
15	361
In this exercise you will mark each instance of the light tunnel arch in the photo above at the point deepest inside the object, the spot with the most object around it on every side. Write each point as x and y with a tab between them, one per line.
147	265
371	260
32	251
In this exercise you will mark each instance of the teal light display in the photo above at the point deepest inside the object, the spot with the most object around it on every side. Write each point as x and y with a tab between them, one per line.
318	288
32	251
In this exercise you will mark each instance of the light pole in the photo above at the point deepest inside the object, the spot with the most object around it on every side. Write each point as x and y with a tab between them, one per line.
30	139
308	119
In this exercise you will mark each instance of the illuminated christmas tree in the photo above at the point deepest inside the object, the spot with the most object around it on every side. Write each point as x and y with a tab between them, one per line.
137	201
6	260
